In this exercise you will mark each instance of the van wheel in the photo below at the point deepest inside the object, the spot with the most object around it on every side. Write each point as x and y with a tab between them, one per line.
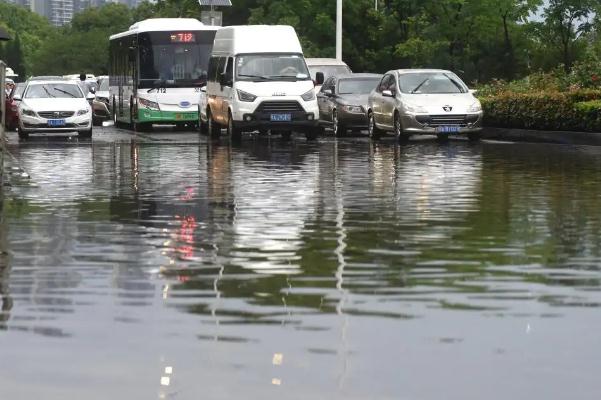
372	129
474	136
202	126
233	132
311	134
286	135
213	128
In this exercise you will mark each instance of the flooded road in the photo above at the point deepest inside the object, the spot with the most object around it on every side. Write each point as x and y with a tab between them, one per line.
164	266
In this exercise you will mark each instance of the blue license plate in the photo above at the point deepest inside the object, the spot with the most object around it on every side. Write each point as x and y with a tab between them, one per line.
447	129
281	117
56	122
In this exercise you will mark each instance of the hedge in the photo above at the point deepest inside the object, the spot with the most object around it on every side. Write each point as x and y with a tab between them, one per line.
554	111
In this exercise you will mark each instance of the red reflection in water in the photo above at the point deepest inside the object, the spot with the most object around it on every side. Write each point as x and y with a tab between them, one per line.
185	236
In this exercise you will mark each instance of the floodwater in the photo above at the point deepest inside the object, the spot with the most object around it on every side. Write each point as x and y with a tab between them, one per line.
166	269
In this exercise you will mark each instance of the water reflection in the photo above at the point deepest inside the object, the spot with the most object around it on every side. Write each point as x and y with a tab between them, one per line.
311	268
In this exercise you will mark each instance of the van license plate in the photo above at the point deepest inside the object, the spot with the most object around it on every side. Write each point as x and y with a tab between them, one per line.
447	129
281	117
56	122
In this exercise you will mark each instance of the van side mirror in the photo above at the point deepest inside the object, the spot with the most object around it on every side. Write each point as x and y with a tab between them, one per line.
17	97
319	78
203	89
387	93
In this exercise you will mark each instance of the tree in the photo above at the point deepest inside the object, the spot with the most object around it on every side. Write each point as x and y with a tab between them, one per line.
13	56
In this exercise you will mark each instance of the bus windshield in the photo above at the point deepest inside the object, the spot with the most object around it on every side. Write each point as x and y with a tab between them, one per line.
169	61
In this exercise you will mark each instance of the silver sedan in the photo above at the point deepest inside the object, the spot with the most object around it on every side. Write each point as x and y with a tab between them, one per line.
423	101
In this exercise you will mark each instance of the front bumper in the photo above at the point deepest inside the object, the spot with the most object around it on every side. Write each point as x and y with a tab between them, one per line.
352	120
30	124
303	115
432	124
148	115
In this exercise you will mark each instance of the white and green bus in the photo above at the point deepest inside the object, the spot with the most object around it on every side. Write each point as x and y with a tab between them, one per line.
157	69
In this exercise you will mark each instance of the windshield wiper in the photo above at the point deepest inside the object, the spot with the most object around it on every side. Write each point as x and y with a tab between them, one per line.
420	85
285	77
265	78
64	91
461	90
47	92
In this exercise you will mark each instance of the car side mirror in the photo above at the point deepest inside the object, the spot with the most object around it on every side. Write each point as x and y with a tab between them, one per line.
90	96
203	89
473	91
387	93
93	90
17	97
328	92
319	79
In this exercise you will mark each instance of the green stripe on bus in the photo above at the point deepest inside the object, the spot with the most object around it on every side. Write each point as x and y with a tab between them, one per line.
166	116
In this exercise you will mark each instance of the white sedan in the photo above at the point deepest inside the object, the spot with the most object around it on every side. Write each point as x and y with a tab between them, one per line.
55	106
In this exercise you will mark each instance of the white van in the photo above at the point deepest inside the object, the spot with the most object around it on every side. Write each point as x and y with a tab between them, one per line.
258	79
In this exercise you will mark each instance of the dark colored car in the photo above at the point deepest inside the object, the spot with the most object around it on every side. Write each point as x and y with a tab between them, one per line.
12	107
342	101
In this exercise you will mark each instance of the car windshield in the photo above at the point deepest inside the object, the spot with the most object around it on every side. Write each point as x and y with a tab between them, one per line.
252	67
357	86
329	70
104	85
431	83
52	90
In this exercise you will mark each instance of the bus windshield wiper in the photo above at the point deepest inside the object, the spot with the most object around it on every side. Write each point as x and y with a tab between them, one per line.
265	78
420	85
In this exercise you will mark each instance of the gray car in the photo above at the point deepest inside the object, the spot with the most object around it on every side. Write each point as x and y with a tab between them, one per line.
342	101
423	101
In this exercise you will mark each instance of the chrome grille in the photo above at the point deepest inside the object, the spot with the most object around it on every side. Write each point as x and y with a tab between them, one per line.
56	114
279	106
445	120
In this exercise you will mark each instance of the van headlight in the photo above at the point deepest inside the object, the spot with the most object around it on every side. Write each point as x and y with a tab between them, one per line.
310	95
476	107
83	111
245	96
149	104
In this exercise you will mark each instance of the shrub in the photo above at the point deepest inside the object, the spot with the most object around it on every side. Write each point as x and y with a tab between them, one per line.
577	110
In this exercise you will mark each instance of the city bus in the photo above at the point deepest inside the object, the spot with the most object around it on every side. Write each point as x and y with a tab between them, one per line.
157	68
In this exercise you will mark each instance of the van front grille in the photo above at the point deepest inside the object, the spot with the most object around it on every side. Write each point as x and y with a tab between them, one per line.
279	106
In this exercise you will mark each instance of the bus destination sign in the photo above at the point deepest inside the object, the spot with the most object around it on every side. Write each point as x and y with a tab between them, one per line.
183	37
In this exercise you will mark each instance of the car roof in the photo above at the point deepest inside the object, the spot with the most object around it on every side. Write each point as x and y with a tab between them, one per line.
416	70
46	77
359	75
52	81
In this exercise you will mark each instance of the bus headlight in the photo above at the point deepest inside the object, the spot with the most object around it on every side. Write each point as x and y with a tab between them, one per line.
149	104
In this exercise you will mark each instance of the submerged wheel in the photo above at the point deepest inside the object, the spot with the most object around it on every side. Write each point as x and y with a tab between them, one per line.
399	133
22	135
372	129
474	136
337	127
213	128
233	132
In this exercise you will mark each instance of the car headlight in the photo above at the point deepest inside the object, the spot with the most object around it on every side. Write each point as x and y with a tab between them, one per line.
83	111
414	108
354	109
310	95
476	107
149	104
27	111
245	96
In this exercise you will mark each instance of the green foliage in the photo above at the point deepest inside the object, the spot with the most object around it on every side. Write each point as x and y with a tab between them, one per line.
576	110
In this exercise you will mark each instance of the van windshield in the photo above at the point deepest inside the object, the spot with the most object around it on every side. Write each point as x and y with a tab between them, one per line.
271	67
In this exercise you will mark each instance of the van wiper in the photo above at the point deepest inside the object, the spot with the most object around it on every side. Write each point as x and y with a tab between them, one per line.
420	85
287	77
265	78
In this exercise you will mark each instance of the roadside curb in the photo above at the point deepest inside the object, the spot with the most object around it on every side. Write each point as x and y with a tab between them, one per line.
528	135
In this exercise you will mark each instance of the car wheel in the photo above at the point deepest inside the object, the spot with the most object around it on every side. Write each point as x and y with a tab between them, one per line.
85	134
213	128
372	129
474	136
286	135
202	126
400	135
442	137
338	128
311	134
22	135
233	132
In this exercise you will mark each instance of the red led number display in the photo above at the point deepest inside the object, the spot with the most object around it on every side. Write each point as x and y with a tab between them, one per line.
183	37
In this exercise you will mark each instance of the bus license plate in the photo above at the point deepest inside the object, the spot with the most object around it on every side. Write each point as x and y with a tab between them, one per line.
281	117
56	122
447	129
